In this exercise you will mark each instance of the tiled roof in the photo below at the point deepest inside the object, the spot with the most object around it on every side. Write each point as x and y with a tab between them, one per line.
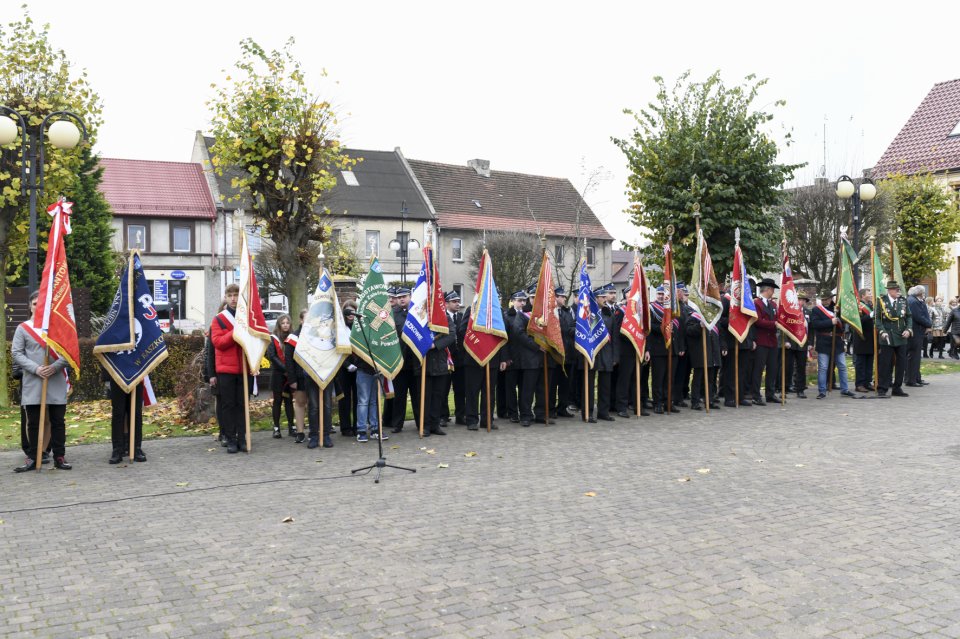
622	263
383	185
156	189
924	143
506	201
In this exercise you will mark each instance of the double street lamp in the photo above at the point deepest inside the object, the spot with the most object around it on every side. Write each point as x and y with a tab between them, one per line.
865	191
403	246
64	130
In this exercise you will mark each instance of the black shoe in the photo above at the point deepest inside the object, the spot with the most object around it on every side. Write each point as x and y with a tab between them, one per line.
564	413
525	423
515	420
759	402
396	429
644	412
899	393
647	403
138	456
223	441
870	388
730	404
912	385
436	431
623	413
116	457
61	464
658	409
460	421
696	406
276	433
29	465
801	395
45	458
232	447
327	441
821	395
923	383
773	399
291	431
881	393
847	393
680	404
473	427
592	420
674	409
607	418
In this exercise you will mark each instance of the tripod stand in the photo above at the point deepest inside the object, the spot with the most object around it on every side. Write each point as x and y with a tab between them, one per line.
381	462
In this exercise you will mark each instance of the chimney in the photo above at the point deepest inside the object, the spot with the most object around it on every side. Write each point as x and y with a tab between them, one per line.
482	167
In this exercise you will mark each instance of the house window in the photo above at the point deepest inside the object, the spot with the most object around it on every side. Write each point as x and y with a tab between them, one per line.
372	244
182	239
335	235
254	238
458	288
137	237
456	245
558	254
591	258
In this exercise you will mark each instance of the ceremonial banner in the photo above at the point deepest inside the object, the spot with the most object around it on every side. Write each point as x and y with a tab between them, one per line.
250	330
704	289
896	273
847	299
544	324
55	304
416	329
671	309
743	310
324	341
437	302
790	318
486	333
374	335
591	333
636	313
131	344
879	279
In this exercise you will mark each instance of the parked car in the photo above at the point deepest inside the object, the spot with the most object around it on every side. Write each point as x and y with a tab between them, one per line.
272	317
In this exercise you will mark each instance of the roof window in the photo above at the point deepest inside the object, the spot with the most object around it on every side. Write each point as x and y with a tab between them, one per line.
477	204
349	178
955	132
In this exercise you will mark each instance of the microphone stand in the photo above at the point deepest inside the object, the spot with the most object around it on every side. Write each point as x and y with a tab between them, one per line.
381	462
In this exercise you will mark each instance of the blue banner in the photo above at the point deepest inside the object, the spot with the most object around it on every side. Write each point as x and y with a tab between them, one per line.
416	328
591	333
132	343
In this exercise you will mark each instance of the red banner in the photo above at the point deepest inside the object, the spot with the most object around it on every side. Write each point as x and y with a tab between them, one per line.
436	302
636	316
544	324
790	318
55	303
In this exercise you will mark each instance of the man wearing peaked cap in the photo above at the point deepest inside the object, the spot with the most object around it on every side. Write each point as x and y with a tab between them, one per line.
456	380
561	382
894	324
829	344
521	384
796	356
766	357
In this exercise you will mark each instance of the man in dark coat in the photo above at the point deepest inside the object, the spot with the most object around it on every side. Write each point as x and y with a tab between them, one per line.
474	379
682	366
561	380
766	357
599	377
863	345
527	360
828	329
626	389
435	391
408	379
454	317
921	323
695	329
659	353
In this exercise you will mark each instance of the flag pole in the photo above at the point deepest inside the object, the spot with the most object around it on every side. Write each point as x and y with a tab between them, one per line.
671	293
703	329
783	345
246	401
586	389
736	374
487	396
423	390
133	419
543	306
876	302
43	411
636	370
836	315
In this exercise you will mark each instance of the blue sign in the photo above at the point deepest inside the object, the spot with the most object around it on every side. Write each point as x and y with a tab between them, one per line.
178	275
160	291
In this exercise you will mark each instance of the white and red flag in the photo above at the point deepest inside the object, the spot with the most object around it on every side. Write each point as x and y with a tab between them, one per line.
250	331
58	325
790	318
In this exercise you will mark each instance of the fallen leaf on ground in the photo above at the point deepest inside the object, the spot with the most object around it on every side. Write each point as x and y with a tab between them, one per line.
844	414
760	461
590	494
682	479
470	454
209	450
423	448
703	471
443	465
286	520
181	484
319	461
432	451
799	465
398	448
1	521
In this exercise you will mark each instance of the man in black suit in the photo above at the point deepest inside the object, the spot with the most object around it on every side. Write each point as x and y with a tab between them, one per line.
921	323
455	380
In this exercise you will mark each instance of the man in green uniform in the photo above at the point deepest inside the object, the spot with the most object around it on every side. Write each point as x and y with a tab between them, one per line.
895	326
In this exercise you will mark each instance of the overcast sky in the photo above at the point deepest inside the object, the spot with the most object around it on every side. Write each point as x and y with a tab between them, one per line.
535	87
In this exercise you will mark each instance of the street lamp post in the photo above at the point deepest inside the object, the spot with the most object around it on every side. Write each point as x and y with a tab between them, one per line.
865	191
403	247
62	133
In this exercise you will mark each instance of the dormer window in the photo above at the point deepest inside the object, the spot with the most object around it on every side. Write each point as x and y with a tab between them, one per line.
955	132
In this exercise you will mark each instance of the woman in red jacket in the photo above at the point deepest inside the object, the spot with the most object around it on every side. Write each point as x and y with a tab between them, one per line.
229	368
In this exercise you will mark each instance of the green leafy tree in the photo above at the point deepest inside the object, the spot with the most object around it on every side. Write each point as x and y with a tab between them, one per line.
279	140
927	217
36	80
702	142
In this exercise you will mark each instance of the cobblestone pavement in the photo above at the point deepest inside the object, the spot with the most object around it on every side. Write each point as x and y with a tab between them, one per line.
835	518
